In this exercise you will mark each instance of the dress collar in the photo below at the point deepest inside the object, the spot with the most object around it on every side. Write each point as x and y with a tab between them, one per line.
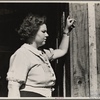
32	49
37	53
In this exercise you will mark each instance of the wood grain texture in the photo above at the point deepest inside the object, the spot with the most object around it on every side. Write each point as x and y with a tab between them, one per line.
79	55
92	51
97	17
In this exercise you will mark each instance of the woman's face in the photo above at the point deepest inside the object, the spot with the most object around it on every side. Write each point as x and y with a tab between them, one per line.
41	35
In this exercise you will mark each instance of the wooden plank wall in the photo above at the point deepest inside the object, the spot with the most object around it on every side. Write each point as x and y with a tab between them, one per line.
97	16
79	55
85	50
92	50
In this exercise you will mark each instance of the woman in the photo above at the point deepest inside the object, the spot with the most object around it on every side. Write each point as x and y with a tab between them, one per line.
30	73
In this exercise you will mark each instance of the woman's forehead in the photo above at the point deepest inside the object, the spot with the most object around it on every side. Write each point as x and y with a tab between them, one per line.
43	27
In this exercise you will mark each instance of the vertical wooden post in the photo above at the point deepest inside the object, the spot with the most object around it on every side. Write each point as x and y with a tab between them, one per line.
64	69
83	50
92	50
97	17
79	59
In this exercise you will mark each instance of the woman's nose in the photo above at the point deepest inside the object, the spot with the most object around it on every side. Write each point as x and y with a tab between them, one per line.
46	34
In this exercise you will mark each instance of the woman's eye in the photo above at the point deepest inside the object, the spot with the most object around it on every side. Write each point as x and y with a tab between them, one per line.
43	31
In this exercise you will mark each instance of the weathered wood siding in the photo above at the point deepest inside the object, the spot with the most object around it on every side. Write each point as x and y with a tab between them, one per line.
85	50
79	55
92	51
97	16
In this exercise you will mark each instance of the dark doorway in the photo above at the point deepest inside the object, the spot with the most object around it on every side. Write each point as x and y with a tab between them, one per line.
11	16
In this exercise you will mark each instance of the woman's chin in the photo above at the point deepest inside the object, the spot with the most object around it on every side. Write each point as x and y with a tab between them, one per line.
43	43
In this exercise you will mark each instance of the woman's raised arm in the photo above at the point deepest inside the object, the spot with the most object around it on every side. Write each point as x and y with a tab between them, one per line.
63	48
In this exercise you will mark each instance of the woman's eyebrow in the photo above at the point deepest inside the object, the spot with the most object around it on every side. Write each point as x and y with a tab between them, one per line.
44	30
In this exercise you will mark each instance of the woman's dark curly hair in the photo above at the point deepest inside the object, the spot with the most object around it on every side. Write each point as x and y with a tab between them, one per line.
30	26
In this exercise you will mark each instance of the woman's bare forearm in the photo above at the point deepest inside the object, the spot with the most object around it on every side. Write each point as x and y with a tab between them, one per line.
63	48
13	92
13	89
65	40
64	43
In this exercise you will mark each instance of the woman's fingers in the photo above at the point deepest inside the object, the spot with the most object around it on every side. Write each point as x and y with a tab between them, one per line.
68	17
70	23
73	26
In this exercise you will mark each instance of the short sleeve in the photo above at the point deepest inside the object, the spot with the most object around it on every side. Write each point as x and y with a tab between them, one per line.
18	68
49	53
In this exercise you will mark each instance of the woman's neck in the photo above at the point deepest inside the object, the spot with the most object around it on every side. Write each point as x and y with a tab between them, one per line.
34	45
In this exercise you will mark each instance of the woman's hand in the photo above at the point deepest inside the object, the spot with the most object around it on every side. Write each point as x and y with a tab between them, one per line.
70	24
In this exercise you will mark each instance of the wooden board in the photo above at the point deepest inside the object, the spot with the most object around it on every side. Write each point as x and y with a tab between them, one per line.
92	50
79	59
97	17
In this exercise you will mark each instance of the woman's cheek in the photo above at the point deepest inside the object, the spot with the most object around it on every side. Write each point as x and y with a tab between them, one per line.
42	37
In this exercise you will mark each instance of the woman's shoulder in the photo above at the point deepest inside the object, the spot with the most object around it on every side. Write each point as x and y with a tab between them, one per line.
49	53
20	52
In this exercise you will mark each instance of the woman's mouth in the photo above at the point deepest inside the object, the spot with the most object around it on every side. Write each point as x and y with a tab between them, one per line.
45	39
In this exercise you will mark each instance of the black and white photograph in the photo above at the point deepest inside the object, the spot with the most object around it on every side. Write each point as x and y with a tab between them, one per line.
49	49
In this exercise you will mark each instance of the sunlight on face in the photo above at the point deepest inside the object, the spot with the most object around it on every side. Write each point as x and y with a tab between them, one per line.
41	35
